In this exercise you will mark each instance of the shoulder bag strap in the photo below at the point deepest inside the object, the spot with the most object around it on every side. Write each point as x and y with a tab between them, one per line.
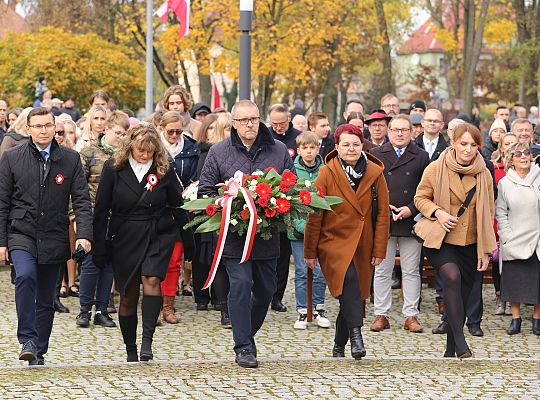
466	203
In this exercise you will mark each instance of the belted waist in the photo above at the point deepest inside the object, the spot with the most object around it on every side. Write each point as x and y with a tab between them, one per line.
139	217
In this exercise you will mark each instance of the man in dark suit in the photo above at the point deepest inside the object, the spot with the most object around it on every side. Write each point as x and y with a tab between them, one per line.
37	181
318	124
404	164
432	139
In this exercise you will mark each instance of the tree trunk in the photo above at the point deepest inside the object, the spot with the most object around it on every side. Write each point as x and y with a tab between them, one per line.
386	78
230	95
205	88
330	94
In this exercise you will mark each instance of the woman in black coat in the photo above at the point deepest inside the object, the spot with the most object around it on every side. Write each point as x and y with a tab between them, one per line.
137	202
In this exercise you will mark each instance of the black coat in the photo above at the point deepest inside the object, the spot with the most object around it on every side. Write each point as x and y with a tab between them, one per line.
202	150
288	139
441	145
327	145
402	175
34	200
185	163
229	156
142	238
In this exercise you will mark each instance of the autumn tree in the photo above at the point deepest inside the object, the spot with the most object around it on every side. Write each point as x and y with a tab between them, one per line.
75	65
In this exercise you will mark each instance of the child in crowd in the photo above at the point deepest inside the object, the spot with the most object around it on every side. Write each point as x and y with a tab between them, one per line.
307	166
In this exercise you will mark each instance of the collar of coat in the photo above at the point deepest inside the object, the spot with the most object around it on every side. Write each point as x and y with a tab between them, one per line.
389	147
264	137
374	170
56	150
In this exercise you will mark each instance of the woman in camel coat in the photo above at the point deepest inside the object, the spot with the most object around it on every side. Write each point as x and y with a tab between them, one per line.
344	240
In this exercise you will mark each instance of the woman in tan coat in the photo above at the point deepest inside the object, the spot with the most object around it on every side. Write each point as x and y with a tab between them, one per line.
344	240
457	240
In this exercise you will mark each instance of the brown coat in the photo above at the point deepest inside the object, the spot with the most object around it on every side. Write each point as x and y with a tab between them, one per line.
345	234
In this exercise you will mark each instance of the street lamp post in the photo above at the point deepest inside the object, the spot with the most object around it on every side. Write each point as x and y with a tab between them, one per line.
149	103
246	16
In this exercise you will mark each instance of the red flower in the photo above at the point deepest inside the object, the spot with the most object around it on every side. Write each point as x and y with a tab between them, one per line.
253	178
284	187
288	178
270	169
321	191
283	205
211	209
263	190
262	201
305	197
270	212
245	214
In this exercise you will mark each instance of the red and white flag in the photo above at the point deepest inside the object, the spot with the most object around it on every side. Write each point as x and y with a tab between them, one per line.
180	9
216	98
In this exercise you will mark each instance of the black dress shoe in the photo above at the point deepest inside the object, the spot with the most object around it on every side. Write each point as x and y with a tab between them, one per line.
536	326
225	319
104	319
28	351
396	283
202	306
338	351
246	359
357	343
441	329
278	306
515	326
59	307
475	330
83	319
37	361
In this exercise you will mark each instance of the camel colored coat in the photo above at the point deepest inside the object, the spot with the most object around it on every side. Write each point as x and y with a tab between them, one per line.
345	234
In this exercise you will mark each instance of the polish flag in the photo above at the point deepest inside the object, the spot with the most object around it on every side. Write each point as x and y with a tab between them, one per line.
216	98
181	10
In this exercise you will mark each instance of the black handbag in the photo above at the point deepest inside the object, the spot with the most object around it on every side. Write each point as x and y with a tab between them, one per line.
460	212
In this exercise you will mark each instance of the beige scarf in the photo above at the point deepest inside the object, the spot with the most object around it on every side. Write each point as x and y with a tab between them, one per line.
175	148
448	166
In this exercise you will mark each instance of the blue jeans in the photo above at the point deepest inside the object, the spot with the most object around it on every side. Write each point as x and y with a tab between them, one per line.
300	278
95	285
252	285
35	289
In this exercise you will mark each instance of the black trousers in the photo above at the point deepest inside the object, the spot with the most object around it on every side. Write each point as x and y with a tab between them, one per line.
350	301
282	269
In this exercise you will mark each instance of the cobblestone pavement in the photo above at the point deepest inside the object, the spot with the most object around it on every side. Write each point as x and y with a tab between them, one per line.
195	360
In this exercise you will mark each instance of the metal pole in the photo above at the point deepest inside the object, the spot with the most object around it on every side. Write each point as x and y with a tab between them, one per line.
149	103
246	16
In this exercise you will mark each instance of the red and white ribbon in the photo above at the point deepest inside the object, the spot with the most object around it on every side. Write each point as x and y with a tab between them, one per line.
232	187
152	180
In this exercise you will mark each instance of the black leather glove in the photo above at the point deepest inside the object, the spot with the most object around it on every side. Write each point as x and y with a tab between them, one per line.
189	244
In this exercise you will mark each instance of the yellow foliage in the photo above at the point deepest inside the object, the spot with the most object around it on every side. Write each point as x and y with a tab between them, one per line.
448	42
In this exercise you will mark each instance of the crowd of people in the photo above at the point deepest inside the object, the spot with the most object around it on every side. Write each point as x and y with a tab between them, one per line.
91	204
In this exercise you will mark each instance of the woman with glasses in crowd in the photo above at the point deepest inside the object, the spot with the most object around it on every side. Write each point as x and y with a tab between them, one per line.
518	218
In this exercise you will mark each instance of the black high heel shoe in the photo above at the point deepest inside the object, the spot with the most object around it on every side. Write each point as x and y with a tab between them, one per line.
357	343
515	326
338	351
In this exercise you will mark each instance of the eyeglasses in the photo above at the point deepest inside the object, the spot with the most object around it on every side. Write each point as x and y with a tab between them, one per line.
379	126
351	145
40	127
245	121
403	130
432	121
519	153
390	105
59	133
174	132
283	123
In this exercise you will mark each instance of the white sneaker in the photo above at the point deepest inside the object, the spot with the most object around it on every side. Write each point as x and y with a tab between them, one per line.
322	321
301	322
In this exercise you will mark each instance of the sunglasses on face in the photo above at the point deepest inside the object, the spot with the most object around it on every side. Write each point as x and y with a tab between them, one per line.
520	153
59	133
174	132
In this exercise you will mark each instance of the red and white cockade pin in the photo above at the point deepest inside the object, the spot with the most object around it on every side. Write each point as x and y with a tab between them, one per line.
59	179
152	181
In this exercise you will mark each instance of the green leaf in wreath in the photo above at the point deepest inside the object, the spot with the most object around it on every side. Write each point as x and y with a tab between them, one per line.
199	204
211	225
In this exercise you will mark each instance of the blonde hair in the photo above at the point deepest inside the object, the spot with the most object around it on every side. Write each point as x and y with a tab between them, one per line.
509	155
171	117
306	138
498	155
19	126
143	136
224	121
87	125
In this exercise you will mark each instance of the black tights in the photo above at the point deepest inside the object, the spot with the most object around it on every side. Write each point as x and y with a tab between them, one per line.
456	293
220	286
130	299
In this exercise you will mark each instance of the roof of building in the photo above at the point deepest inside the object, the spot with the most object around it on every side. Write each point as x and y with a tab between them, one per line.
11	21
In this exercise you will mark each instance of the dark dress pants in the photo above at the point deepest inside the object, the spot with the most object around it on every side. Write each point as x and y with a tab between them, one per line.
282	270
252	285
350	301
35	290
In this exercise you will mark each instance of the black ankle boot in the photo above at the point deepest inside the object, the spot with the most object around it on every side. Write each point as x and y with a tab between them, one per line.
128	326
450	351
536	326
515	326
357	343
225	318
151	307
341	337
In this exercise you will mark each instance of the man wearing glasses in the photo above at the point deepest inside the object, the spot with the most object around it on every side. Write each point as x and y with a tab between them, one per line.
432	140
282	129
390	104
37	181
250	147
404	164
